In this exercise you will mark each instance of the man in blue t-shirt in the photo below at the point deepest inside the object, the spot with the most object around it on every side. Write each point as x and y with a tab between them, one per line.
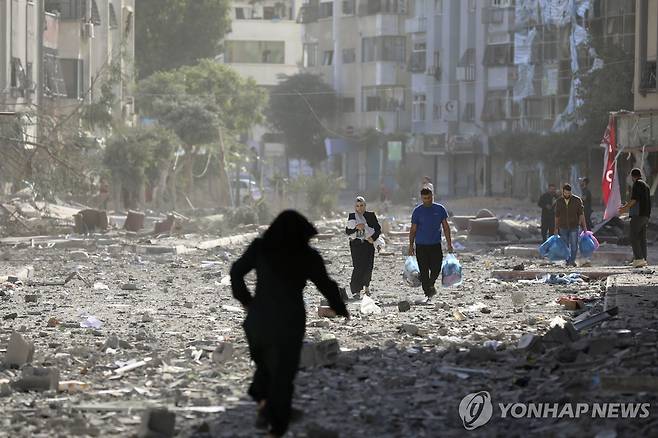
426	222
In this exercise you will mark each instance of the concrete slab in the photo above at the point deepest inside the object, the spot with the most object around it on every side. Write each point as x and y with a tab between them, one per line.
636	296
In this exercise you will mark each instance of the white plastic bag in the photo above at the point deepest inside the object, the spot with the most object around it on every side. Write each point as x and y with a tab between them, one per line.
369	307
411	272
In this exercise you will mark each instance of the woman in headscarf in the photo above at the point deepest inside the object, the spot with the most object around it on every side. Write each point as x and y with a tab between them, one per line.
363	229
276	317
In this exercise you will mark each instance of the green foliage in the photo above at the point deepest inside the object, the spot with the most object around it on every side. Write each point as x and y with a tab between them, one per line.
195	100
173	33
604	90
553	149
138	154
321	191
99	113
297	107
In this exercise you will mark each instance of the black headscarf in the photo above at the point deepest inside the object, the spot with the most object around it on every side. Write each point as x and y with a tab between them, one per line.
289	233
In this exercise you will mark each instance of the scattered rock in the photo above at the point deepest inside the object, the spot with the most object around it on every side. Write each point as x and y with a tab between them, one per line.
404	306
38	379
157	423
19	351
223	353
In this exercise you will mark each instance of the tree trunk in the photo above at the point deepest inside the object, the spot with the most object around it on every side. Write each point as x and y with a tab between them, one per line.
115	191
189	171
161	186
224	190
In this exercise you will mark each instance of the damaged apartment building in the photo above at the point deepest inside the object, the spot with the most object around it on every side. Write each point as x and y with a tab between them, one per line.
447	75
56	55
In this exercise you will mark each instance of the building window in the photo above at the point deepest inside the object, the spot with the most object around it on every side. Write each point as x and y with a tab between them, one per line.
438	7
254	52
417	63
73	72
469	112
326	10
95	14
328	57
472	5
268	12
418	108
383	48
239	14
348	7
68	9
310	55
114	22
54	85
499	55
348	104
349	56
383	98
496	105
648	77
385	7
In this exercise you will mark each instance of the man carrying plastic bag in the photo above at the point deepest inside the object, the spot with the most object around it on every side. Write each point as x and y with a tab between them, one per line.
569	215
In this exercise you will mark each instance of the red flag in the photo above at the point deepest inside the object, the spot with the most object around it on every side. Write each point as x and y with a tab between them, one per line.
609	163
610	182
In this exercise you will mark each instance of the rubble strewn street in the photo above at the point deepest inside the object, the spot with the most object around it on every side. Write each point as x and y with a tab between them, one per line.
116	338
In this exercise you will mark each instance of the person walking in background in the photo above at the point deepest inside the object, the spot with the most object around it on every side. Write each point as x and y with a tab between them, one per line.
276	316
547	204
639	209
586	196
569	215
363	229
427	220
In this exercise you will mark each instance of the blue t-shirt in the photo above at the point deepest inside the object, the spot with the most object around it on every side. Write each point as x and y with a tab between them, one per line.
428	223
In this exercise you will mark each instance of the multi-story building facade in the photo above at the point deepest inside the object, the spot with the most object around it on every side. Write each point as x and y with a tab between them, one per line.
20	65
265	44
360	48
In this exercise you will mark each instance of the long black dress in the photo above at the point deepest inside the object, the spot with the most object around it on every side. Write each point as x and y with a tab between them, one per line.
276	317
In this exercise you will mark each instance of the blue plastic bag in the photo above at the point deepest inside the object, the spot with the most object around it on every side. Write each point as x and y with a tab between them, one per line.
451	271
411	272
588	244
555	249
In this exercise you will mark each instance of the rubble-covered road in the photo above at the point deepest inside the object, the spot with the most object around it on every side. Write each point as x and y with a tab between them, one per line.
162	330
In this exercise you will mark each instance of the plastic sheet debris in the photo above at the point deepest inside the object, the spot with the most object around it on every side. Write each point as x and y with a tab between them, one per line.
563	279
411	272
91	322
451	271
369	307
587	244
555	249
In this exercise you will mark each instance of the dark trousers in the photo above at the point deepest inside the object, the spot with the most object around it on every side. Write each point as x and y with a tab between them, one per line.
547	228
430	258
363	261
588	219
276	367
639	236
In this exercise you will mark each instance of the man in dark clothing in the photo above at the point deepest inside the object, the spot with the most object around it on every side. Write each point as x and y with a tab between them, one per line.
276	317
587	201
547	204
639	208
569	214
427	220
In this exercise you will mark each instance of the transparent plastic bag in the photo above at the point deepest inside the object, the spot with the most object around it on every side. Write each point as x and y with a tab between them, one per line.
411	272
451	271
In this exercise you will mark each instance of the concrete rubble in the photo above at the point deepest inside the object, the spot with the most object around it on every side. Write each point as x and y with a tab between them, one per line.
170	357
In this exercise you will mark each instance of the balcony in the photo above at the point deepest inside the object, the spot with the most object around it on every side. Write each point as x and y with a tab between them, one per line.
415	25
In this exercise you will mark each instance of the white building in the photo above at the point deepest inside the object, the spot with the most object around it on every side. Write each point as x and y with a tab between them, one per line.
265	43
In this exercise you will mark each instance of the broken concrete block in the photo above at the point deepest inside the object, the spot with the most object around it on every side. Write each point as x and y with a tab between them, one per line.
223	353
5	389
409	329
561	334
19	351
134	221
38	379
404	306
129	286
462	222
601	346
88	221
32	298
483	227
530	342
78	256
326	312
319	354
484	213
157	423
166	226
